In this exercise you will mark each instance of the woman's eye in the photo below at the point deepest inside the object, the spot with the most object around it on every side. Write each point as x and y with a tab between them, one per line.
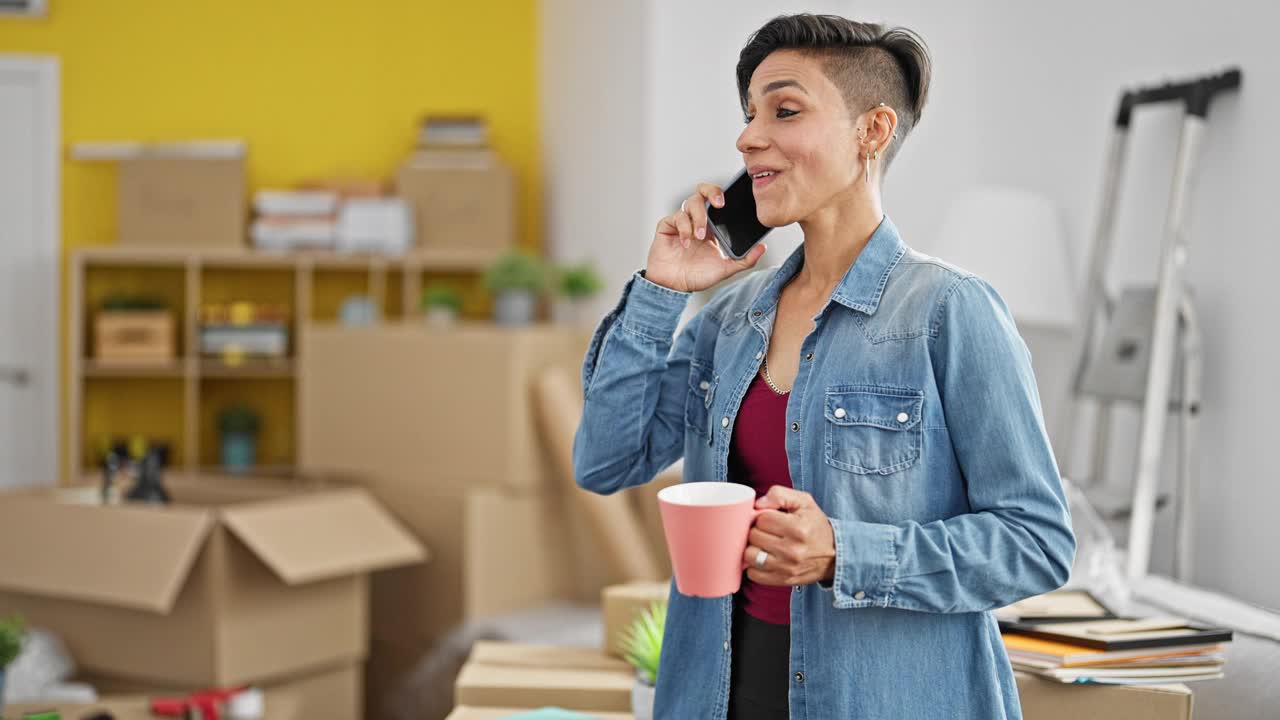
785	113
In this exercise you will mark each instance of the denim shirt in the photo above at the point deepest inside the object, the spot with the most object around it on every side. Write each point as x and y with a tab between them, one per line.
914	422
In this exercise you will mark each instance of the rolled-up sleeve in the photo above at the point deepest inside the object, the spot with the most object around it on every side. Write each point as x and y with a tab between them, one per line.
635	385
1017	540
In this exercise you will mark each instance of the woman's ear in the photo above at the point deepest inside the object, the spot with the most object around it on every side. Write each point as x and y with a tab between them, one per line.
879	124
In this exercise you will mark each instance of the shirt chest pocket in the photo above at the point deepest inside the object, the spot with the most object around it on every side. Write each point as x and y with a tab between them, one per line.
702	389
872	430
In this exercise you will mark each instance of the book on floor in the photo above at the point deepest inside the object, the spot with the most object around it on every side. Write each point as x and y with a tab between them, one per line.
1123	633
1055	606
1049	653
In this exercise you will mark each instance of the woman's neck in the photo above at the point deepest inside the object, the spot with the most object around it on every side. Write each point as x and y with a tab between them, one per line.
834	237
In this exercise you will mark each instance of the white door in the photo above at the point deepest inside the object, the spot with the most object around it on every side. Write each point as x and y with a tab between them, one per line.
29	291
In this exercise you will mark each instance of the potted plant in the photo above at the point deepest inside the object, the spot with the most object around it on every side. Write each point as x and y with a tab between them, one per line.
238	429
576	285
12	633
642	647
515	280
441	305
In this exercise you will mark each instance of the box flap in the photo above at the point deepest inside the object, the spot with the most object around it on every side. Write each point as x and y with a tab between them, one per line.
323	535
559	657
133	557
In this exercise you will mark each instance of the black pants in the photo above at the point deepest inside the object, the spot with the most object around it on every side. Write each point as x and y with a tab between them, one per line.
760	668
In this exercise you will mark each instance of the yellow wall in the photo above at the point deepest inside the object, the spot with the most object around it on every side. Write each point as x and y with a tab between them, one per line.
317	87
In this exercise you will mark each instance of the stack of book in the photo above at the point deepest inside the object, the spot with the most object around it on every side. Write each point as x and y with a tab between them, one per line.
295	219
1075	639
453	142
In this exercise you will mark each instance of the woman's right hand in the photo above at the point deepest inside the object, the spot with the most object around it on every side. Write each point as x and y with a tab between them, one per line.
685	256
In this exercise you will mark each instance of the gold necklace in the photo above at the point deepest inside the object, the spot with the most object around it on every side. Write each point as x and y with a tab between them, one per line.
764	365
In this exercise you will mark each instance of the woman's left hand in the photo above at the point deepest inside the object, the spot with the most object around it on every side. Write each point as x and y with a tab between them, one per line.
798	537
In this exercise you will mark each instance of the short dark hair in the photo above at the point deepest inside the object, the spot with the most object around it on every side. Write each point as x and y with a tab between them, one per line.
870	63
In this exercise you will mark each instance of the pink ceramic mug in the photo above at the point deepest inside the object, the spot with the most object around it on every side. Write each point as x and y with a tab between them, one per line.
706	524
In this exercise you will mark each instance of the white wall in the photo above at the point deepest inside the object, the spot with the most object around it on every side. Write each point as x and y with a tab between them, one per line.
595	135
1023	94
1049	73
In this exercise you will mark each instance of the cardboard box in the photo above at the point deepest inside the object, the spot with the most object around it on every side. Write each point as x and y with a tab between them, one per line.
532	676
236	582
644	499
280	704
491	552
443	410
183	200
466	712
335	693
467	205
133	336
622	603
1044	699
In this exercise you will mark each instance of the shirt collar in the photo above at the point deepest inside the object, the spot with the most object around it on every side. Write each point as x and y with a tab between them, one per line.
862	285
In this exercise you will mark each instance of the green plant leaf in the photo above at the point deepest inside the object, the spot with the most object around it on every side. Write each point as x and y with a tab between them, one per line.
12	633
441	296
516	271
642	640
578	281
239	419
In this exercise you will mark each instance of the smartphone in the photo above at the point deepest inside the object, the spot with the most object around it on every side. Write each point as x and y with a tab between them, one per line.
735	225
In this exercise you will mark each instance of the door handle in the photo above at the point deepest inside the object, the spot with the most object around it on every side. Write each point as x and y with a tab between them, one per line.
15	375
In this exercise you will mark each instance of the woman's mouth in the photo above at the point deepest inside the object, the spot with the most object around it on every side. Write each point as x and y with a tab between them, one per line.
762	179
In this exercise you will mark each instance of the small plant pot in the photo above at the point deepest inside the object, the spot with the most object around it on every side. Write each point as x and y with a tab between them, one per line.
514	307
239	451
576	313
441	316
642	695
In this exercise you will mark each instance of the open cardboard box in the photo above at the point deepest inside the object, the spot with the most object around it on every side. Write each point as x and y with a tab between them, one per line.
334	693
1044	699
467	712
280	706
516	675
238	581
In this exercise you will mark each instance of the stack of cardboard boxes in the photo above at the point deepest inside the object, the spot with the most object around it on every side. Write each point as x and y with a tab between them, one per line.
438	423
596	680
237	582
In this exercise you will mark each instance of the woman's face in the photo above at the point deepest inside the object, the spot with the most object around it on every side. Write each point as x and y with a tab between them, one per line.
798	128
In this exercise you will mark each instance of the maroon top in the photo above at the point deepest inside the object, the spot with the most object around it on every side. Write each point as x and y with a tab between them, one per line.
758	457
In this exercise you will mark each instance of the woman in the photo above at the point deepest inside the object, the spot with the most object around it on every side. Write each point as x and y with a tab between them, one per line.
879	400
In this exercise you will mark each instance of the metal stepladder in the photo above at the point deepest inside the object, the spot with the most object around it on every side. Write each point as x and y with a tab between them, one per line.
1143	348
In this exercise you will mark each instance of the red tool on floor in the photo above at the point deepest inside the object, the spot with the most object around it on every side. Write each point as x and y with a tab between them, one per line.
201	705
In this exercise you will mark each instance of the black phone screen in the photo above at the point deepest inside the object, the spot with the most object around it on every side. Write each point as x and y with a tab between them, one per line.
735	225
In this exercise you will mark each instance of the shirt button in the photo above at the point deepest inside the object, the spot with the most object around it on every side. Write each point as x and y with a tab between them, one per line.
859	595
795	427
759	355
808	356
704	385
840	412
757	313
724	422
726	646
903	417
799	678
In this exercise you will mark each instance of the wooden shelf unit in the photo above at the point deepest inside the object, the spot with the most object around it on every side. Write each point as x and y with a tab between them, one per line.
394	282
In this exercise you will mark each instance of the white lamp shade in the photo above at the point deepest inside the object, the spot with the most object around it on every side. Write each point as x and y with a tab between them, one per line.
1013	239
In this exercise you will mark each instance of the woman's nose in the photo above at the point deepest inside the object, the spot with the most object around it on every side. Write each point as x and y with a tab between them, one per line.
751	139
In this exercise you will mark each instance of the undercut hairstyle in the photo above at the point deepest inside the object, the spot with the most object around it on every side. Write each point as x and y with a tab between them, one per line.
868	62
